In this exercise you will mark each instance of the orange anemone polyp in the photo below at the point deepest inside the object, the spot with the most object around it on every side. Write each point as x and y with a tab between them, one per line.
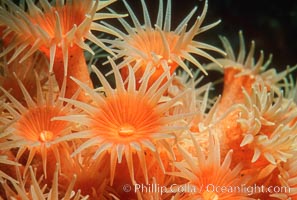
159	47
36	124
126	122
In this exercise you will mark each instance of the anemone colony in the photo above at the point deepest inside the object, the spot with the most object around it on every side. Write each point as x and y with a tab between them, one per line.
155	125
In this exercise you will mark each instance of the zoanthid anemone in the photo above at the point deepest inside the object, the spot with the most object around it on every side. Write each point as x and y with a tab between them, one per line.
127	122
59	29
244	70
30	127
158	46
30	188
207	173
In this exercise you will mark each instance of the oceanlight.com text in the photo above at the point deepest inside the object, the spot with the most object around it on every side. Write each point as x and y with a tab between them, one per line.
219	189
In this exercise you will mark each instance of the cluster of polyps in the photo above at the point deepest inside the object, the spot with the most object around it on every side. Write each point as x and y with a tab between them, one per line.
63	139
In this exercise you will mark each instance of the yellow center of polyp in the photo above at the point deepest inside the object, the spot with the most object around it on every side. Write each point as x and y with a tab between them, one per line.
46	136
126	130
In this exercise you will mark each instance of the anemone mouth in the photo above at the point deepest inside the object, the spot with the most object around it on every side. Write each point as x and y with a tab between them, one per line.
125	118
36	124
126	130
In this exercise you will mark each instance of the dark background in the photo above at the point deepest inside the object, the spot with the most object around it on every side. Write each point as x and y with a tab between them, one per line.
271	24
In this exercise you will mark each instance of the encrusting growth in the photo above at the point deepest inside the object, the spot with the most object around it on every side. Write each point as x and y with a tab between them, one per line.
155	129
